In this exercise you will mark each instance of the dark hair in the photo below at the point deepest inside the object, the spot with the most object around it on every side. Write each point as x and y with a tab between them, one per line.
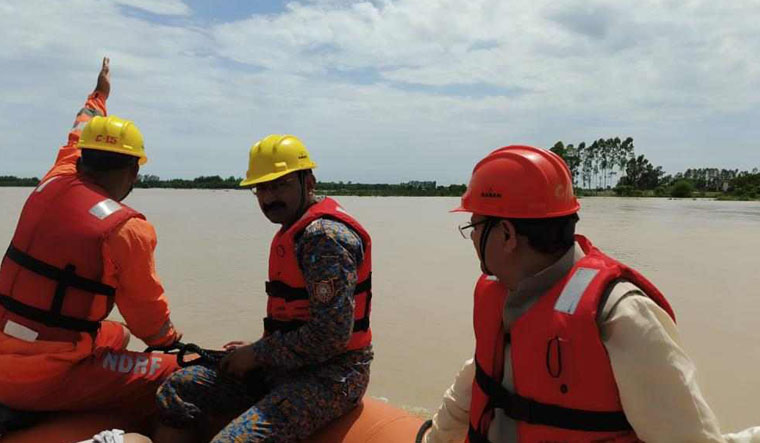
103	161
547	235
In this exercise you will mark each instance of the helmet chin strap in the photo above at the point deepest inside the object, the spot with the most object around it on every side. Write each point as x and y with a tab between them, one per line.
483	240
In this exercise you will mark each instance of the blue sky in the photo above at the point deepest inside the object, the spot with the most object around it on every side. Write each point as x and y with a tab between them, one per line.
203	12
387	90
232	10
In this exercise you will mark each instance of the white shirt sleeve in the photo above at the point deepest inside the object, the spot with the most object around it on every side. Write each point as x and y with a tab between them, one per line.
112	436
749	435
451	421
656	379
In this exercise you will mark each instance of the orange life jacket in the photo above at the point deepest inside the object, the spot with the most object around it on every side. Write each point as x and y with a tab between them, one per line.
52	271
288	299
564	388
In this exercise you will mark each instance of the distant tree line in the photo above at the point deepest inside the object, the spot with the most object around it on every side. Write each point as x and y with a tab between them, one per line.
414	188
596	165
9	180
612	164
603	166
383	189
202	182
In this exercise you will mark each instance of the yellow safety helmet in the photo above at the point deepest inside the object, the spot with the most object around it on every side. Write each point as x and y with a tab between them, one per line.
113	134
274	156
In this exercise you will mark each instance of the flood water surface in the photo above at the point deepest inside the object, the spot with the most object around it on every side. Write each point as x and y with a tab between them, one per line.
704	255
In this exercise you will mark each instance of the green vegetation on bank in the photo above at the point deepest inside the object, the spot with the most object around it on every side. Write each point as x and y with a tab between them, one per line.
611	167
605	167
381	189
413	188
202	182
9	180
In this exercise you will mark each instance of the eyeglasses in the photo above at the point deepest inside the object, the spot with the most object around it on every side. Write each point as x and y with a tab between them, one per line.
466	229
273	187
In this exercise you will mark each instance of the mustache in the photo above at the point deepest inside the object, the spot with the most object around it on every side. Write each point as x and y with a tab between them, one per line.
274	205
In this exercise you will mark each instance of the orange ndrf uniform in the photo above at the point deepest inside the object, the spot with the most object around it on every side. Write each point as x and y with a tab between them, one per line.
75	254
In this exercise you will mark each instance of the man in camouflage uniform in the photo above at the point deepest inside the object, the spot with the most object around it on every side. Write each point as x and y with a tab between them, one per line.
312	364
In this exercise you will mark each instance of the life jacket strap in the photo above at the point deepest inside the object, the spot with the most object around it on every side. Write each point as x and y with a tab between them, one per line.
474	436
530	411
48	318
278	289
65	277
281	290
283	326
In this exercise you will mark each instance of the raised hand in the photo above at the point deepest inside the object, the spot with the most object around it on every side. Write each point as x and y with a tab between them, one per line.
235	344
104	78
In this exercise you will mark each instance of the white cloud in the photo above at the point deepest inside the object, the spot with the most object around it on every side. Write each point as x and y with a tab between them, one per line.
390	90
566	53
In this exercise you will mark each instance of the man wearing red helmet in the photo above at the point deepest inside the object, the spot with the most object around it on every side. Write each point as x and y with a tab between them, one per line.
571	345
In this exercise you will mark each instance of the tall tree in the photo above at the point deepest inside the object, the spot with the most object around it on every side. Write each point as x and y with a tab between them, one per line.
571	157
641	174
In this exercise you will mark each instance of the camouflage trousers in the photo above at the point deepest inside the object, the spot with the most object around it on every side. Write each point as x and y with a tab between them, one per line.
267	407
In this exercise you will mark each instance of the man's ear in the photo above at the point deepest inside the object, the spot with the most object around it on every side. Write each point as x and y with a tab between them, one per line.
134	169
510	235
311	183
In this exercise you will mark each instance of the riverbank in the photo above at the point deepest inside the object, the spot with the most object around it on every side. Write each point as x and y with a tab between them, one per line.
720	196
412	189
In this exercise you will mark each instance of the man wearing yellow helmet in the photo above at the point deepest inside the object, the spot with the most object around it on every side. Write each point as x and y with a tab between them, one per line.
76	252
312	364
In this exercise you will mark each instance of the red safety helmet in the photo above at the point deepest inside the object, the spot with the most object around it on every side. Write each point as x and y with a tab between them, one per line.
520	182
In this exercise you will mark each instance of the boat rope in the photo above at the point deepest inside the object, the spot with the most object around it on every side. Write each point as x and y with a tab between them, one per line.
205	357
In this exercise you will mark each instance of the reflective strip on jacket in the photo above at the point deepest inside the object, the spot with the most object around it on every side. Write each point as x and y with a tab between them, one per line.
564	388
288	298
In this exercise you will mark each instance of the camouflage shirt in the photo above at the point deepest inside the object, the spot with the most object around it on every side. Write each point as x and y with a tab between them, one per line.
328	250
